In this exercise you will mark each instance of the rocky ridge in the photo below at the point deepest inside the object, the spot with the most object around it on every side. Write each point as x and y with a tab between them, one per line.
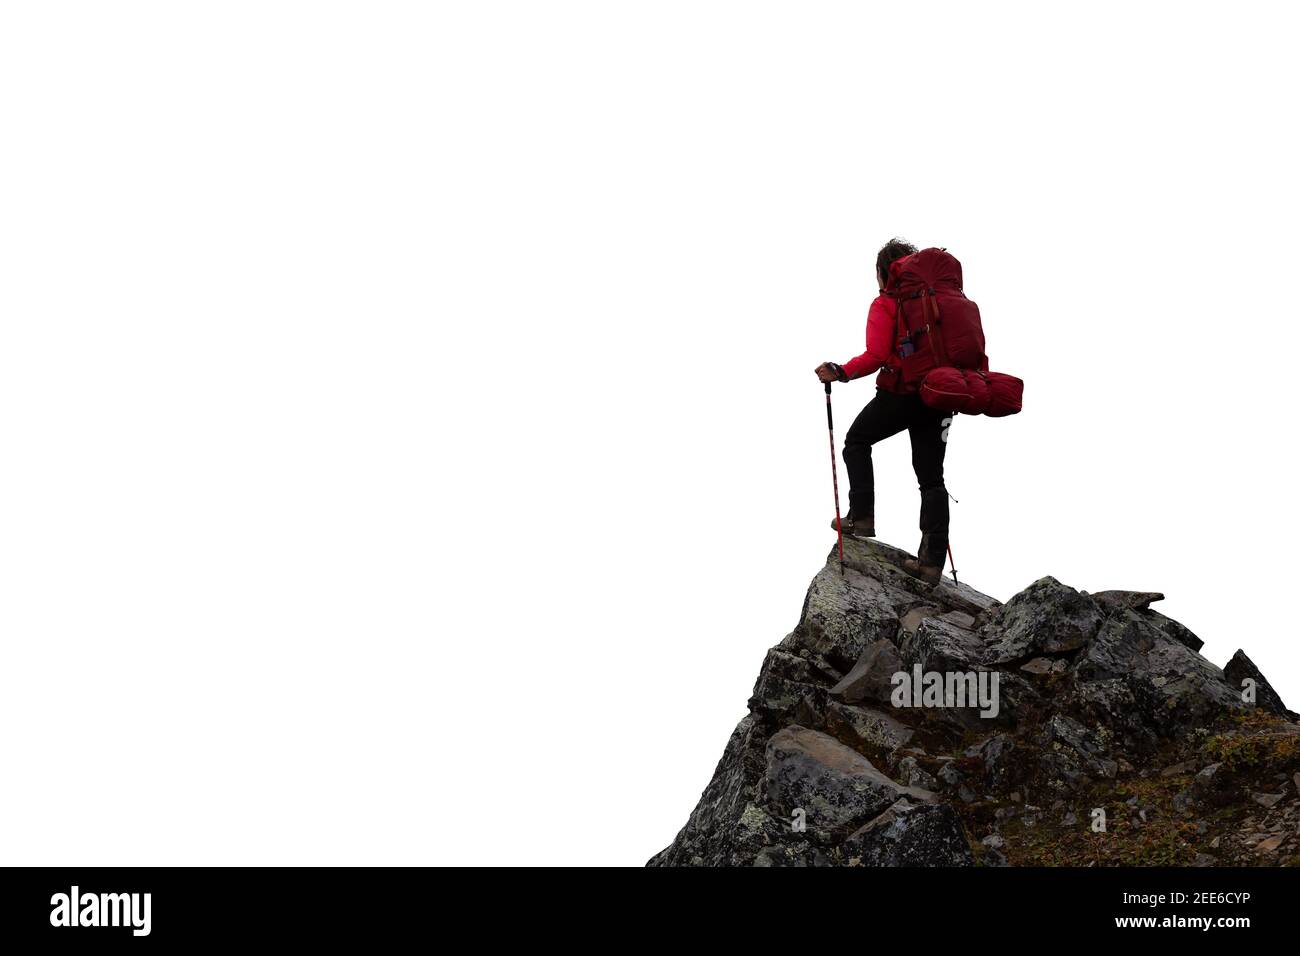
1113	742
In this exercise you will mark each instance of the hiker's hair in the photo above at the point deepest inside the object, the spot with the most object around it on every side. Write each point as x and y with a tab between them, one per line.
890	253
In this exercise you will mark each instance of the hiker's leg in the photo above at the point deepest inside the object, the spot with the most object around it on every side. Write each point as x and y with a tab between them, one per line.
928	430
884	415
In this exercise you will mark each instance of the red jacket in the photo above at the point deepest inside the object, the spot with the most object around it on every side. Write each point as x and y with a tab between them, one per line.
882	332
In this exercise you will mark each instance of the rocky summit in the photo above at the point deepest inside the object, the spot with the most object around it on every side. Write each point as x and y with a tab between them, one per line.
901	724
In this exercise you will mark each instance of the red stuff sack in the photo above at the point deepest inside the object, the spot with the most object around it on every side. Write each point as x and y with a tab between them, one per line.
971	392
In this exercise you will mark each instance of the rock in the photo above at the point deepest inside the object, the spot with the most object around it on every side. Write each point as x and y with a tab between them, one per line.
1211	786
1128	600
908	834
1039	665
1242	668
715	835
1089	685
785	681
1270	845
1170	688
842	615
913	618
799	853
1045	618
870	677
911	774
836	787
872	729
995	755
994	841
1080	748
940	645
951	775
1208	778
882	562
1203	859
1172	629
959	619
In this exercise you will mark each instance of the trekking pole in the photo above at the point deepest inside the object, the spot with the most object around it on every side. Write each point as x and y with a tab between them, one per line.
835	481
952	562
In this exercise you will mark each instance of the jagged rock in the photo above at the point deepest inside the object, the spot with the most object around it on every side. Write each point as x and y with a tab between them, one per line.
1172	628
1141	601
1172	687
908	834
913	618
1113	703
1128	600
787	682
1241	668
836	787
883	562
872	729
912	774
843	614
1107	685
714	835
1086	749
950	775
1046	618
940	645
870	677
1266	800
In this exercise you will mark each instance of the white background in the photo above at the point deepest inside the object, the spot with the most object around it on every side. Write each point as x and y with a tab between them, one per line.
409	432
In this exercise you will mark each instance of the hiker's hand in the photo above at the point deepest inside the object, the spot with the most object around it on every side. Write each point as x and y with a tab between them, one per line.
829	372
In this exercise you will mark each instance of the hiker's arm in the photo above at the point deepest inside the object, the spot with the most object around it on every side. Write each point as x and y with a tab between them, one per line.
880	341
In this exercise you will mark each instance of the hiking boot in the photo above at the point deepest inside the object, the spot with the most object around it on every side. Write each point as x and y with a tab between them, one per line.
929	560
929	573
856	527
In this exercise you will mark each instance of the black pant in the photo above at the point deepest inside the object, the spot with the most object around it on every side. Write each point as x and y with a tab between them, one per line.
885	415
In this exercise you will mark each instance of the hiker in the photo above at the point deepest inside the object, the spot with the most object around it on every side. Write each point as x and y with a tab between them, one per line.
896	407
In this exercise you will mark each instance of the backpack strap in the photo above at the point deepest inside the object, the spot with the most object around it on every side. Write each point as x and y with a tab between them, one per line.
930	307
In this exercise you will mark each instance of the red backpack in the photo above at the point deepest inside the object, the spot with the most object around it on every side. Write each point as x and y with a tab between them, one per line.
939	345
